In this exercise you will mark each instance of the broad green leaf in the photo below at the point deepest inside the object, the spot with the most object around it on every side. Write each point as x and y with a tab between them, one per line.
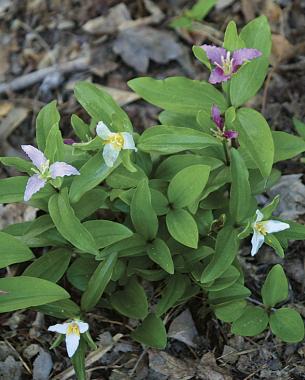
121	178
275	288
187	185
171	293
98	282
269	209
22	292
253	321
91	201
92	173
259	184
287	324
159	252
80	272
178	94
81	129
256	34
240	194
54	149
179	120
256	137
299	127
151	332
18	163
131	246
230	311
201	55
142	214
231	39
101	106
106	232
131	301
50	266
47	117
295	232
12	189
248	80
235	292
60	309
227	241
182	227
167	140
287	146
68	225
200	9
228	278
13	251
273	242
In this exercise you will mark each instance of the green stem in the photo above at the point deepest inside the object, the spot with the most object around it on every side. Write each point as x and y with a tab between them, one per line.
227	153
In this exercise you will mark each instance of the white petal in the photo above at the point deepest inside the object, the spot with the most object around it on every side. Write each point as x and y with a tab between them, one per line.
35	155
60	328
259	216
72	342
34	184
128	141
103	131
275	226
110	154
62	169
83	326
257	241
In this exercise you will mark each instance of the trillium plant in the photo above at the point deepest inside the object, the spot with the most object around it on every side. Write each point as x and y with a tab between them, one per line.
169	209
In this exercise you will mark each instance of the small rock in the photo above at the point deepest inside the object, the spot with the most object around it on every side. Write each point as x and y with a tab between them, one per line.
31	351
10	369
229	355
42	366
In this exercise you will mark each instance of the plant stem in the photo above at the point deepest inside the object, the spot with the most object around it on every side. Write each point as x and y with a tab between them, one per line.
226	150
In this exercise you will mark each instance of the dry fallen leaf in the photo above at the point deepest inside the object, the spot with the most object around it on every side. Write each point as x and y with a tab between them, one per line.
208	369
282	50
183	329
5	108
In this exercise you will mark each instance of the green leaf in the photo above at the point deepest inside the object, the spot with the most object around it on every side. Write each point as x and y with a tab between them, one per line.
171	293
22	292
121	178
159	252
268	210
101	106
131	246
287	325
233	293
228	278
299	127
274	243
78	361
275	288
256	137
81	129
80	272
98	282
68	225
240	194
151	332
167	140
92	173
231	39
179	94
256	34
201	55
63	309
187	185
47	117
12	189
90	202
260	184
18	163
131	301
13	251
286	146
248	80
54	149
106	232
182	227
200	9
142	214
253	321
230	311
50	266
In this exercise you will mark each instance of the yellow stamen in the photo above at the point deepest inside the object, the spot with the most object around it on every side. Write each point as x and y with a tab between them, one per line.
117	140
260	228
73	329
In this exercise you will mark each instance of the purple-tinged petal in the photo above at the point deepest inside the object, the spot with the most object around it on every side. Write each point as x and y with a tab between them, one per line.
61	169
69	141
217	76
34	184
242	55
214	53
218	120
35	155
230	134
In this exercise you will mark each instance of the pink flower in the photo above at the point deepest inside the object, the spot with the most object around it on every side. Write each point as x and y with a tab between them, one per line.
44	171
225	65
221	131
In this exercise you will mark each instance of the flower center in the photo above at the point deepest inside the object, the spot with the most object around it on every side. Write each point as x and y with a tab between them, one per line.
73	329
226	64
260	228
117	140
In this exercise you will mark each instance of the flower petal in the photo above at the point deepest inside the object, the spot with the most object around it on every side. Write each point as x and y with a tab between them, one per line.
257	241
128	141
62	169
259	216
72	342
35	155
214	53
275	226
230	134
242	55
217	76
69	141
218	120
83	326
60	328
103	131
34	184
110	154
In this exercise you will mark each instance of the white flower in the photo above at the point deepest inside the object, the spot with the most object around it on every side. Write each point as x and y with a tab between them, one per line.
114	143
72	330
262	228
